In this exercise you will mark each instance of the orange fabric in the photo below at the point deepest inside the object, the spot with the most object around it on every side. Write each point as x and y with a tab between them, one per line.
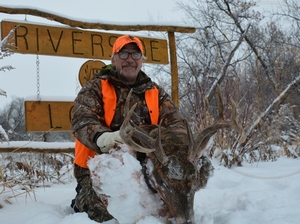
109	98
82	153
151	97
123	40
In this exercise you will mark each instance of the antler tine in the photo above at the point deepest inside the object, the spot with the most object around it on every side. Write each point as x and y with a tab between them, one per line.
220	103
191	150
238	127
152	143
159	152
127	131
127	102
204	136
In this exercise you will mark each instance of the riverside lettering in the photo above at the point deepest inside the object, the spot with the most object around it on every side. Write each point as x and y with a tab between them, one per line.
71	42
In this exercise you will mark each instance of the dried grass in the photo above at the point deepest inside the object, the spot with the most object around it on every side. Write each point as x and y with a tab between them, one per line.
266	144
22	173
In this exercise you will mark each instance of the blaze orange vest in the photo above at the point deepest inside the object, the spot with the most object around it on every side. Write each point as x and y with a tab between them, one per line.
83	153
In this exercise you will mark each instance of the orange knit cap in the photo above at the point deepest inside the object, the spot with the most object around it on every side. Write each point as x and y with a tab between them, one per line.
123	40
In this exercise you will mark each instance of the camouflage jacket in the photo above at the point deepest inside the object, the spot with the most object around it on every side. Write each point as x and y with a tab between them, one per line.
88	117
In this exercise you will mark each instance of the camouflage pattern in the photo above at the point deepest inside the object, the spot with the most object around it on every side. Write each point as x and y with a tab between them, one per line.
88	117
88	123
87	200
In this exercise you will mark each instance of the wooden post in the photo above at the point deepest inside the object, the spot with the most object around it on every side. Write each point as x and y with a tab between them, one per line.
174	68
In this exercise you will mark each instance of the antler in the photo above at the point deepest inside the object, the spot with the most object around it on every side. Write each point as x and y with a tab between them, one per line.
204	136
153	143
127	131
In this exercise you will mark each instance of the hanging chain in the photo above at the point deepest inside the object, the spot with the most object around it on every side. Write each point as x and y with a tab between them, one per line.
38	77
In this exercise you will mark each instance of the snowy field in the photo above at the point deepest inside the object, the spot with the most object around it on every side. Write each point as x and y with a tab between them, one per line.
262	193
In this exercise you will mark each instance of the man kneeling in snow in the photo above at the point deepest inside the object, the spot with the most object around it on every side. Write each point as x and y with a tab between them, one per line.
99	114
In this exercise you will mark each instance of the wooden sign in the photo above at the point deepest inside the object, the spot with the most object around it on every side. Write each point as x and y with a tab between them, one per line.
88	70
48	115
70	42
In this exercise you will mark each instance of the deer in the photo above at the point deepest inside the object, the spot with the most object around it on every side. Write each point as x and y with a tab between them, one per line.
175	166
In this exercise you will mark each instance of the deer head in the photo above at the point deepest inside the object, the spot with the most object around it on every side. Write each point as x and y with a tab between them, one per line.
175	166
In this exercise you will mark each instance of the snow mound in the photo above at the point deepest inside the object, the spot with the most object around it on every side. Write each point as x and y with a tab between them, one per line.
118	180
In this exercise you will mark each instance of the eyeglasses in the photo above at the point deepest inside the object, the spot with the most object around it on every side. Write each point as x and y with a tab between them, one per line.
124	55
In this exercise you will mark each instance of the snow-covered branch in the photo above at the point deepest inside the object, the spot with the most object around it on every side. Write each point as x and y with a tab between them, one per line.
3	133
2	93
6	67
5	45
275	101
96	25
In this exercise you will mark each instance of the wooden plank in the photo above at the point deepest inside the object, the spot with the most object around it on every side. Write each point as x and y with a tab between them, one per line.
48	115
37	150
71	42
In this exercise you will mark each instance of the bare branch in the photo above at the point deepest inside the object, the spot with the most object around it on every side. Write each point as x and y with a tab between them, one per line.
219	80
278	99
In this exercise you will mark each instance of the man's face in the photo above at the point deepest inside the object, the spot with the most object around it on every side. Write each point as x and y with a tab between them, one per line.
129	68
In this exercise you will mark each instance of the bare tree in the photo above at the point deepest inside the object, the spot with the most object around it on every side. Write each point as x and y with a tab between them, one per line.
214	54
12	119
256	62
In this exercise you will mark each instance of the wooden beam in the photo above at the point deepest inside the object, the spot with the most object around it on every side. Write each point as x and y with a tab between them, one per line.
174	68
95	25
37	150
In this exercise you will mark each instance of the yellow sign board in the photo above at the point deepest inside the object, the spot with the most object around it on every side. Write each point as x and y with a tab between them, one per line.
72	42
48	116
88	70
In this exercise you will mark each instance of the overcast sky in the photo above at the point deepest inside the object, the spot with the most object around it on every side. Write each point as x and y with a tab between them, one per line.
59	75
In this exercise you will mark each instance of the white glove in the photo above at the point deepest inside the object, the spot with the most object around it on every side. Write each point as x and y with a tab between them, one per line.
107	140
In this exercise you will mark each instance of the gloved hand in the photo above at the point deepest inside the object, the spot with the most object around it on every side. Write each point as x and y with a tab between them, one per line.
108	139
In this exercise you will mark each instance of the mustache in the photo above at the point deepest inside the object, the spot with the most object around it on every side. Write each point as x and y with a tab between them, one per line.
132	64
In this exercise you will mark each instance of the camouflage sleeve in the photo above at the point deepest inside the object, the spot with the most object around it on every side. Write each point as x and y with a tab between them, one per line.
88	117
169	113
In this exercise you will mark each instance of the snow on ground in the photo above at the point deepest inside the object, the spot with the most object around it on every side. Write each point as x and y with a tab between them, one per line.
262	193
120	168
